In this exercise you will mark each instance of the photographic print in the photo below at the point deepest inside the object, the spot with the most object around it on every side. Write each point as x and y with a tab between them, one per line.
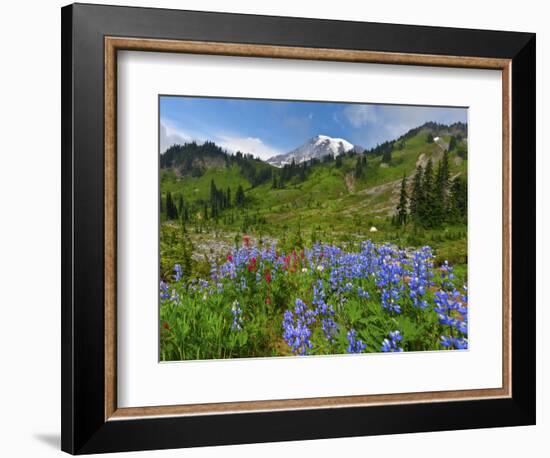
296	228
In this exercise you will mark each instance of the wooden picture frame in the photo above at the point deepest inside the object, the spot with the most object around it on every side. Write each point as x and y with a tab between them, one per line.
91	419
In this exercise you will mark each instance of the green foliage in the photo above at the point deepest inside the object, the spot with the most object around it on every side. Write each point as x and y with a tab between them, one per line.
301	204
402	206
427	216
437	201
417	196
175	248
381	149
441	185
458	204
387	156
452	143
171	209
239	197
224	319
192	159
359	167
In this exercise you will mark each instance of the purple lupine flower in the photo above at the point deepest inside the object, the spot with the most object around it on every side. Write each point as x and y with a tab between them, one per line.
452	310
164	290
447	276
355	345
392	344
389	278
296	331
420	276
177	272
324	312
362	293
237	312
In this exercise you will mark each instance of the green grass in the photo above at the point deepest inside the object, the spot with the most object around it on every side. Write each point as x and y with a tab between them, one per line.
194	188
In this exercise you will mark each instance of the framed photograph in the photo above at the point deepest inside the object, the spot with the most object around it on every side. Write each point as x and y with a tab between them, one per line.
282	228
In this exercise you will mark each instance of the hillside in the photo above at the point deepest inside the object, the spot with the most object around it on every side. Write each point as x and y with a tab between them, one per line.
219	196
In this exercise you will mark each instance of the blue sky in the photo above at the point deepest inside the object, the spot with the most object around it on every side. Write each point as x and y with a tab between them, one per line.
265	128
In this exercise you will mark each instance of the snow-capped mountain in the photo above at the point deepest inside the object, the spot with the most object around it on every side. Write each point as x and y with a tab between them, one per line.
317	147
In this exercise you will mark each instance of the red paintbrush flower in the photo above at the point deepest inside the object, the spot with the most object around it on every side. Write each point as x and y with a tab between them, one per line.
267	276
252	265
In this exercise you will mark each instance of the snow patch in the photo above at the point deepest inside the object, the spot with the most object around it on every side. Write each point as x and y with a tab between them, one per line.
316	148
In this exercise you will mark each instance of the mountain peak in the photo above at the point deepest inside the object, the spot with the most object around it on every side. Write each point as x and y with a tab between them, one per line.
316	148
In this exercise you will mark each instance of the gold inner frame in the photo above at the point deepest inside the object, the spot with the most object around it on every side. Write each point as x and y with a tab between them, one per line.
114	44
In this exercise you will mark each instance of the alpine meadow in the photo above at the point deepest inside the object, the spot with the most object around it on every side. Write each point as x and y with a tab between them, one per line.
292	228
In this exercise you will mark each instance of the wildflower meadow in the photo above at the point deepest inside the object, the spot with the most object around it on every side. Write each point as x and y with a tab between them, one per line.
339	237
323	300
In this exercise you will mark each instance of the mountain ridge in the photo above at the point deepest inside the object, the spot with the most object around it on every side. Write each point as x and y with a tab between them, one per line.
316	147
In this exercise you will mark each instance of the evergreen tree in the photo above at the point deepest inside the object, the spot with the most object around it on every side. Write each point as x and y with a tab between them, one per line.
180	205
402	205
426	209
338	162
168	205
239	197
458	205
438	203
228	197
416	203
174	210
213	190
452	143
213	199
430	138
302	172
386	157
359	168
171	210
442	187
445	170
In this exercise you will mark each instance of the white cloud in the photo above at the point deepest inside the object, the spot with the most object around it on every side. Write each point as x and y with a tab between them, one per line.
377	123
248	145
361	115
170	135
